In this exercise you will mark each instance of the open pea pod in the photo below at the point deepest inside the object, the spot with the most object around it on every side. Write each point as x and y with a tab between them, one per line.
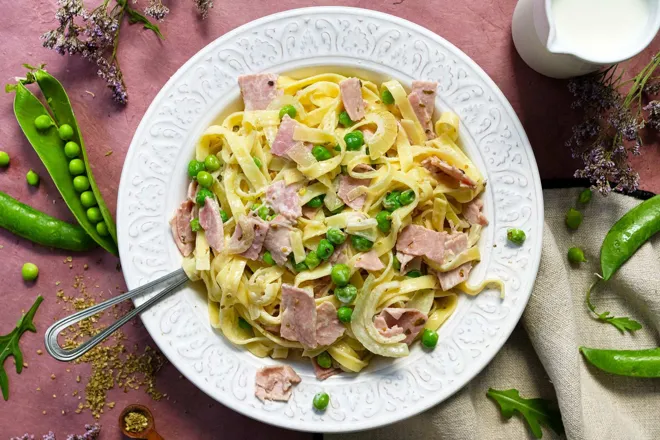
50	149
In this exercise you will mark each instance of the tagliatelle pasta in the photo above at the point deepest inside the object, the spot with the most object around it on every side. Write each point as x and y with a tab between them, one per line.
340	218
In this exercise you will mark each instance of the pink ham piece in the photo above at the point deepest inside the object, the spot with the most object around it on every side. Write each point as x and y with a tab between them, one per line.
393	321
339	255
284	139
192	190
346	185
275	329
184	237
455	244
248	245
419	241
472	213
422	100
258	90
278	240
309	213
436	165
210	220
322	287
408	262
328	326
351	97
324	373
298	316
454	277
275	383
284	199
369	261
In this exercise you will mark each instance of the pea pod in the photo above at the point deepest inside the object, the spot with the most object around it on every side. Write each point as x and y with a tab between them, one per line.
628	234
41	228
49	147
635	363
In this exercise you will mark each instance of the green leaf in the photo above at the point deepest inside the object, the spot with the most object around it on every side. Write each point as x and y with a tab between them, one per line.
622	323
9	345
537	412
135	17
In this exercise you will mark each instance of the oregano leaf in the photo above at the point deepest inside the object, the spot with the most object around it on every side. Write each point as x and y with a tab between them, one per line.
537	412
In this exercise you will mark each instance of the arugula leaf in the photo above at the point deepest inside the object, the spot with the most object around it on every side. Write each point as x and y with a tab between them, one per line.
135	17
537	412
9	345
622	323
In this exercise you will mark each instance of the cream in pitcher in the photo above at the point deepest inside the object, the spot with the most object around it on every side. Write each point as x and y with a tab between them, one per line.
564	38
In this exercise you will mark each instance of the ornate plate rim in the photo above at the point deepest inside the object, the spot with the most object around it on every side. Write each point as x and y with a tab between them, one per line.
318	422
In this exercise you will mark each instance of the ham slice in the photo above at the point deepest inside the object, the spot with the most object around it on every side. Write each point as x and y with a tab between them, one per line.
322	287
422	100
192	190
284	139
310	213
210	220
328	326
455	244
278	240
454	277
298	316
395	321
351	97
346	185
436	165
419	241
284	199
184	237
408	262
339	255
473	213
324	373
258	90
369	261
248	237
275	383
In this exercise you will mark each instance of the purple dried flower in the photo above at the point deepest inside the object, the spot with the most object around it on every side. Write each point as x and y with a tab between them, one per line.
652	89
49	436
23	437
203	7
653	118
156	9
114	78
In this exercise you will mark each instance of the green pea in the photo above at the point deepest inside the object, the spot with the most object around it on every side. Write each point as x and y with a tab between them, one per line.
324	360
516	236
576	255
414	274
335	236
195	225
76	167
255	206
361	244
94	214
224	216
429	338
43	122
88	199
263	212
384	219
340	274
344	314
66	132
321	401
30	271
312	260
102	229
321	153
346	294
345	120
242	323
354	140
288	110
212	163
573	218
391	201
268	258
386	97
257	161
585	196
71	150
316	202
396	264
194	167
4	159
325	249
205	179
80	183
299	267
202	194
32	178
407	197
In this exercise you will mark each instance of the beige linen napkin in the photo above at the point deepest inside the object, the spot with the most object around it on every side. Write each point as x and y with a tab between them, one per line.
541	357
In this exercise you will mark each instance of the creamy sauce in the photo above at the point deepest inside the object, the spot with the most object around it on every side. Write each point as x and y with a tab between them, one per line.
599	28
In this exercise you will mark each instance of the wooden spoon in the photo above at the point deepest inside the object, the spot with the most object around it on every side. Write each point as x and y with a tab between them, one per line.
148	433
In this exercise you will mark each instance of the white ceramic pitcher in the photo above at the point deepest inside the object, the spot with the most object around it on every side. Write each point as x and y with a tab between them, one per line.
535	37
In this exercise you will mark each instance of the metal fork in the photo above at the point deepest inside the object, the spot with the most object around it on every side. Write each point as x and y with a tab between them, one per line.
173	281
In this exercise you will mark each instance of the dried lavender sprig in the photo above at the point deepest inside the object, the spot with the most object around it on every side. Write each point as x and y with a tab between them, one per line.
203	7
91	433
156	9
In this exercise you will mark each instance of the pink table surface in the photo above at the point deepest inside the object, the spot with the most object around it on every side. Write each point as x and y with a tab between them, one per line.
481	28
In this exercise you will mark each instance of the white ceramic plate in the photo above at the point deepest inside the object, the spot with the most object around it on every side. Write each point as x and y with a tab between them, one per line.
378	46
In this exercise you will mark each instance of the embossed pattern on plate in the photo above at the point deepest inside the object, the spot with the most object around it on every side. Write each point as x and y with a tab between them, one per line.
153	183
